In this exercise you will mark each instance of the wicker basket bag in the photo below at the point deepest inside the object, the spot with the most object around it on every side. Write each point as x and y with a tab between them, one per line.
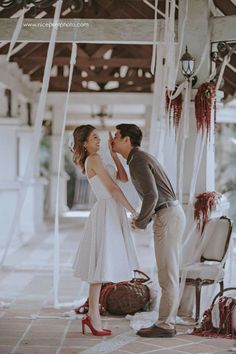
123	298
126	297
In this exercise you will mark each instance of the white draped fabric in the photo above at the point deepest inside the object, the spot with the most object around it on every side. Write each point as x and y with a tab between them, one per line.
36	135
154	47
16	32
56	268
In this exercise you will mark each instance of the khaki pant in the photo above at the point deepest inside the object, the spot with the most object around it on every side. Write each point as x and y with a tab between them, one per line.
168	227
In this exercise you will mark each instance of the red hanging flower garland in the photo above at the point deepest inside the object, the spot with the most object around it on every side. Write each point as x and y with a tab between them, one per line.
203	206
204	101
175	106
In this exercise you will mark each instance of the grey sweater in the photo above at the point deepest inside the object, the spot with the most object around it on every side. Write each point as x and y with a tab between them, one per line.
151	183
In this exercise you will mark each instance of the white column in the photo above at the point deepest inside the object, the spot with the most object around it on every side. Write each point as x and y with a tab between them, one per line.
22	109
15	145
14	103
32	214
3	102
57	121
9	185
195	37
8	148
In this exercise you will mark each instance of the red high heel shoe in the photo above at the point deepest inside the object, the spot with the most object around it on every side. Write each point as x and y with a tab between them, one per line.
87	321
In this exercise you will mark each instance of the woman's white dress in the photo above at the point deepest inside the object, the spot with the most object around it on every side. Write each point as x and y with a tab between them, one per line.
106	251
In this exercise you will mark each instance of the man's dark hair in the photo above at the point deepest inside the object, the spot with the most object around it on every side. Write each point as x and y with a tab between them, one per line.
132	131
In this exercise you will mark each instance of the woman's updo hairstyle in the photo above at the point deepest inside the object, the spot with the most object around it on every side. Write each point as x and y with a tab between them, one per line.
81	135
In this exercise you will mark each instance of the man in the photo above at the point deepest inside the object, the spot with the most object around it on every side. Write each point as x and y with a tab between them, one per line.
160	205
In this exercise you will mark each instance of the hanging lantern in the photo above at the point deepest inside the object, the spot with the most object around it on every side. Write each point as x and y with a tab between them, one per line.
187	64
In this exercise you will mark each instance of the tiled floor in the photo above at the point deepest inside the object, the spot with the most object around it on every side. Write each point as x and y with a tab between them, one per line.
29	323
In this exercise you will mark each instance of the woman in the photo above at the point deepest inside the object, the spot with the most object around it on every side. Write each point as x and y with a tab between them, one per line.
106	252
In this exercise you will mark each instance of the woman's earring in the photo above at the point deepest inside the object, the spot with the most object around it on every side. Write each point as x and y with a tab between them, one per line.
85	148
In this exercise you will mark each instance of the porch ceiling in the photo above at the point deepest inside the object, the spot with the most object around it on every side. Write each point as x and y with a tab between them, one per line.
101	67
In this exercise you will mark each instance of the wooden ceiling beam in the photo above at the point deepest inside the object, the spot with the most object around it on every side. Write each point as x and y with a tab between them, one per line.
144	8
135	11
102	50
29	49
160	9
34	66
76	88
229	81
226	6
82	53
39	51
233	60
134	50
228	88
133	88
230	76
62	87
86	63
98	79
109	8
4	49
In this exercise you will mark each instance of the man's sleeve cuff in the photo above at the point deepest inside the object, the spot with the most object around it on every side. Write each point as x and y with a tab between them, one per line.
140	225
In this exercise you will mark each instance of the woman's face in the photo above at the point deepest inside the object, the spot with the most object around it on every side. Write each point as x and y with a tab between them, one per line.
93	142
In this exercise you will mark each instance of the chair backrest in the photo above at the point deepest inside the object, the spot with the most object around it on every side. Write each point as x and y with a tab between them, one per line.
220	230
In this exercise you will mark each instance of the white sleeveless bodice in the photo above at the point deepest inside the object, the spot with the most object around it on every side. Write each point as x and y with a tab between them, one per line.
99	189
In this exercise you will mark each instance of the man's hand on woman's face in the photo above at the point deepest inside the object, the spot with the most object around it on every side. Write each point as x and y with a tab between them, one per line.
110	143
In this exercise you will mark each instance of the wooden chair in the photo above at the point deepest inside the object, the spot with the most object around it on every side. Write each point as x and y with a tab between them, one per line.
205	272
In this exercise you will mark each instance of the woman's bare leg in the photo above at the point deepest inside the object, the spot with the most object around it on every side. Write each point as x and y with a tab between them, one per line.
94	314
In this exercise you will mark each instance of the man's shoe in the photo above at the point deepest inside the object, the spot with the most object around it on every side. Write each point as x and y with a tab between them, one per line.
156	332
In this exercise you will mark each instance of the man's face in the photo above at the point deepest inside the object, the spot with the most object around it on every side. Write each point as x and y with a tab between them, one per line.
118	142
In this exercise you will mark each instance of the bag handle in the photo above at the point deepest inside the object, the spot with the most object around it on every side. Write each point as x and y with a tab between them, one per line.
146	277
220	293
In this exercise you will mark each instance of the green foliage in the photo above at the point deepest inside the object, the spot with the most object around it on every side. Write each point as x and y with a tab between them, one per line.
45	150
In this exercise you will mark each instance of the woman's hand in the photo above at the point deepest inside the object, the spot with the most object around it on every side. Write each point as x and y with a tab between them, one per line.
132	224
134	216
